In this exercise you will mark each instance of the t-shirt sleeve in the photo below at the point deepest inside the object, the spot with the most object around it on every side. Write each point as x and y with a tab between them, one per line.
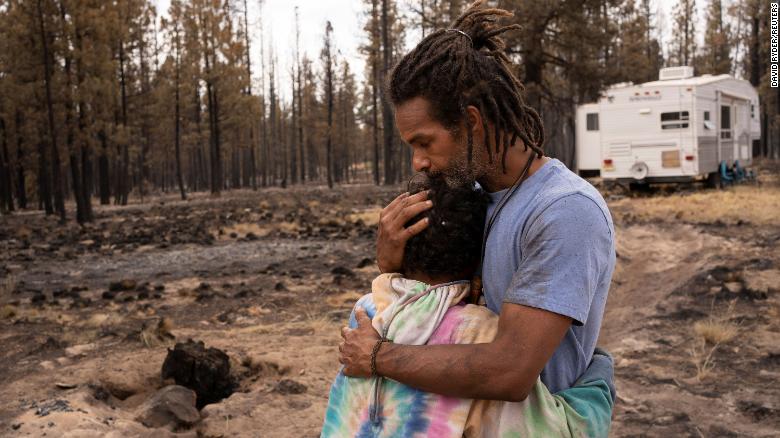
366	302
564	252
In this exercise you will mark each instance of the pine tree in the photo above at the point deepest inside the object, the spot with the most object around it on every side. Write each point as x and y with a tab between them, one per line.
327	65
683	50
715	56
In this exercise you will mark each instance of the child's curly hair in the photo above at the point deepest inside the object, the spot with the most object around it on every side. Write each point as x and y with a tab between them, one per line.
451	244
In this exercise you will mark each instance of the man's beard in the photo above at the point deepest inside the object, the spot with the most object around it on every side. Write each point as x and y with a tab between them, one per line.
461	171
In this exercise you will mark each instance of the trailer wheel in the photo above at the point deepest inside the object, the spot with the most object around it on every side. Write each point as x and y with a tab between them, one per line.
714	181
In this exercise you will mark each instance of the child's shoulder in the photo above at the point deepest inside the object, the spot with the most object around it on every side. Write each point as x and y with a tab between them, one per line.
366	302
465	324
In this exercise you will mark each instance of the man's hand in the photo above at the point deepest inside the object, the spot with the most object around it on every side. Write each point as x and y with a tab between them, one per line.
355	349
392	236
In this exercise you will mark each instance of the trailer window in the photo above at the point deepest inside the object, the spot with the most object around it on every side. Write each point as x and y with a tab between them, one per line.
725	122
707	122
592	120
674	120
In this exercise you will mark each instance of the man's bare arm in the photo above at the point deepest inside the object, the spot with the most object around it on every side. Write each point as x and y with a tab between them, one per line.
505	369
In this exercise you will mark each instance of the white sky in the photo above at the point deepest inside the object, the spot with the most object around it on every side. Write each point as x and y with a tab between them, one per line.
347	18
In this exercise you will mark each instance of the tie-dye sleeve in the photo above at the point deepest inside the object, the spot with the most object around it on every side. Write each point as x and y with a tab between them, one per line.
593	396
585	410
367	303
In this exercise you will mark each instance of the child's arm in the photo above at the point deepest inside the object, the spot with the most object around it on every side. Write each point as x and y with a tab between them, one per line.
593	395
585	409
366	302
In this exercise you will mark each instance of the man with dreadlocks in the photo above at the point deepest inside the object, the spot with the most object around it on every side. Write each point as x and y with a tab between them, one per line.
548	251
423	304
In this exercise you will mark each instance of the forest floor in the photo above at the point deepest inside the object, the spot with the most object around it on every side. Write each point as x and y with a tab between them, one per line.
87	314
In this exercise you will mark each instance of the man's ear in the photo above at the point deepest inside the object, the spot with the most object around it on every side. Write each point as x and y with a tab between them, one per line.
476	121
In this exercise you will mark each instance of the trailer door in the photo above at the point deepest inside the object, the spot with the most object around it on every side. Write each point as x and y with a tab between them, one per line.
742	131
726	130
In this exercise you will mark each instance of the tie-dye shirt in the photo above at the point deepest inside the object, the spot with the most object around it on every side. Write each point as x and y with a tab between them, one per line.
414	313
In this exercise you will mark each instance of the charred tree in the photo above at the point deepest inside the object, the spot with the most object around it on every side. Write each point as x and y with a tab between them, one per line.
387	112
177	110
21	185
328	59
6	197
59	201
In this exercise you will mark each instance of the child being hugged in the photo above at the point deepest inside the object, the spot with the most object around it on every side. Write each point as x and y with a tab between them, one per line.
425	304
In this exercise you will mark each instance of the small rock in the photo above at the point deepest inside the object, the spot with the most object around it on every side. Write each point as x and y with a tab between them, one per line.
99	392
734	287
340	270
52	406
365	262
280	286
171	405
289	386
228	317
122	285
62	385
108	295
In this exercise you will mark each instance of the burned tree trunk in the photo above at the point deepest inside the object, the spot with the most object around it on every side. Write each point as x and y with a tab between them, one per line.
327	57
387	112
177	114
6	197
103	175
21	186
59	200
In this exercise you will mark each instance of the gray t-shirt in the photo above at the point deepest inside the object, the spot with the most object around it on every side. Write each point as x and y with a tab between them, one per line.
552	247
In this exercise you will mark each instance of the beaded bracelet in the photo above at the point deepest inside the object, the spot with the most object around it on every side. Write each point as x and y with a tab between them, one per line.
374	352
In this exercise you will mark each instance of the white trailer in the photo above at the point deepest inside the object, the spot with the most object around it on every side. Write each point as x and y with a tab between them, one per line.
676	129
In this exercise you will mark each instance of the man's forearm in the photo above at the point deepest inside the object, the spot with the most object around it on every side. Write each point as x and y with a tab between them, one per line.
478	371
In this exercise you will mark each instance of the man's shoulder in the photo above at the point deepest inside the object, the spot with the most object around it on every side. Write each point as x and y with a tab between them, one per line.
565	193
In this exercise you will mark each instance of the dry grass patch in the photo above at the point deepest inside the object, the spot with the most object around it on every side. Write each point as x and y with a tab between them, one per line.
7	286
708	336
345	299
7	311
757	205
320	323
715	332
156	333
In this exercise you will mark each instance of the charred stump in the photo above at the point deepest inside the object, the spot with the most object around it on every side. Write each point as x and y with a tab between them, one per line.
204	370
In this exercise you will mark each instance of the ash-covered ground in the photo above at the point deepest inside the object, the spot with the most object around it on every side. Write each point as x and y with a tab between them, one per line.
87	315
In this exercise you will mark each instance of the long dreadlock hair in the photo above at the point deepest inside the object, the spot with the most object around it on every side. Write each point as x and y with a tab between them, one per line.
467	65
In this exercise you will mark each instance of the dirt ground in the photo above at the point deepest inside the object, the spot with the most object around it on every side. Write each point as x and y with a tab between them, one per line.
87	314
